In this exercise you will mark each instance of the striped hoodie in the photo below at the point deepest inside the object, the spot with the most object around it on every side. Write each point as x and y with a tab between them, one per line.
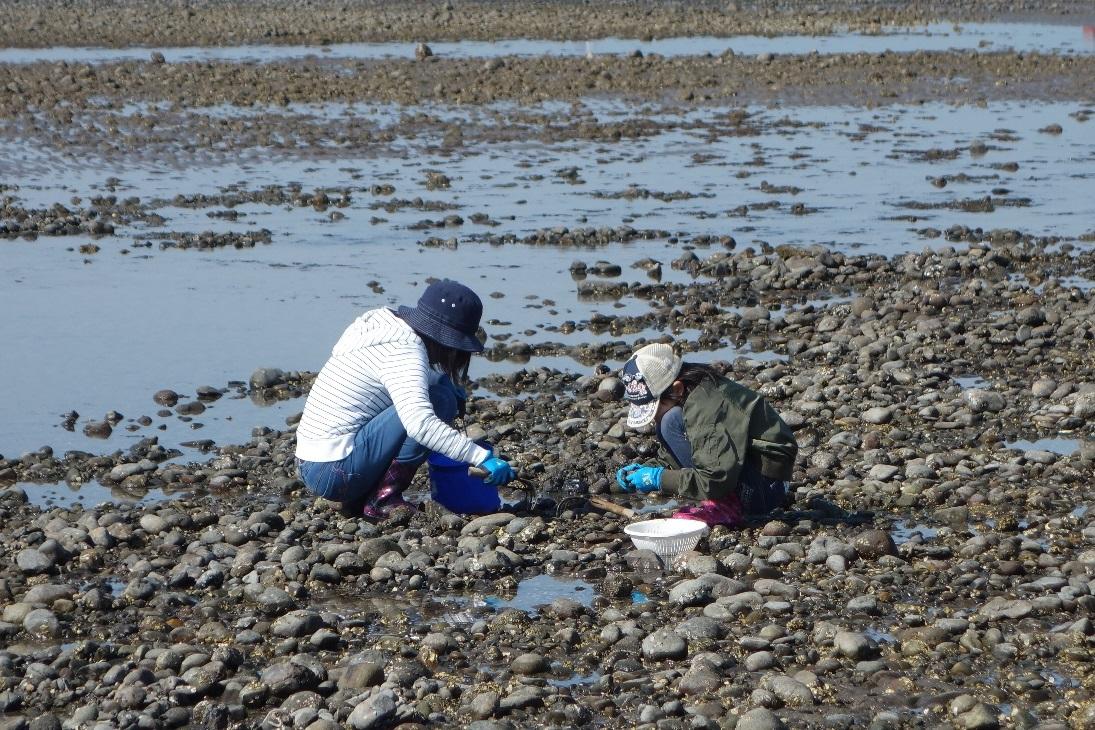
378	362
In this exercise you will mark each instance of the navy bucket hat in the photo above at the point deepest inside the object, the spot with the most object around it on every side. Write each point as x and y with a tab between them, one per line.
448	312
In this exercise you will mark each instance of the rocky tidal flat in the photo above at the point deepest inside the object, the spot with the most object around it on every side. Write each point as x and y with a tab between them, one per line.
897	249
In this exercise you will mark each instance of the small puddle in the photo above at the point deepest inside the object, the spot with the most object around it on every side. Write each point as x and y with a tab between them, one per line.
639	598
902	532
91	494
541	590
1060	446
576	680
968	382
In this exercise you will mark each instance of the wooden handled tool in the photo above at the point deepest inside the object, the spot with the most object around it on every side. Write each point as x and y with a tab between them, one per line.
609	506
600	503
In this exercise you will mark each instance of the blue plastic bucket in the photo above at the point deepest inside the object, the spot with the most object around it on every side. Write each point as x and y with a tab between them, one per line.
452	488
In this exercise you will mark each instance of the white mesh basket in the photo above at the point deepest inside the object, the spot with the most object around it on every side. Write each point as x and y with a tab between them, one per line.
666	537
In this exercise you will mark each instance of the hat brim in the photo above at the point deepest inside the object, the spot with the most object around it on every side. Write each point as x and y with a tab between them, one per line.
439	331
639	416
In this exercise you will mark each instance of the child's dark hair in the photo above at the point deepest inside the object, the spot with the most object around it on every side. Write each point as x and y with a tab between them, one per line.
692	374
448	360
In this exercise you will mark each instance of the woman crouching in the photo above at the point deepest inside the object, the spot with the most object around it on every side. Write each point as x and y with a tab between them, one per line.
387	397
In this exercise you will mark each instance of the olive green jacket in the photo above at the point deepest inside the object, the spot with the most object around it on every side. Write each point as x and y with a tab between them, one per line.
728	426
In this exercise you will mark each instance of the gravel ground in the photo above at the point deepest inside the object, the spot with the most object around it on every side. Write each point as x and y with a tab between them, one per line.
253	604
59	90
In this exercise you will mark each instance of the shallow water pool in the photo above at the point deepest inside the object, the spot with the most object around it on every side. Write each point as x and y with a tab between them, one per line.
91	494
1024	37
105	331
902	532
1062	446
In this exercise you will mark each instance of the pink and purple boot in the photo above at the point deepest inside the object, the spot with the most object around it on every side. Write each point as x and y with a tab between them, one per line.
388	496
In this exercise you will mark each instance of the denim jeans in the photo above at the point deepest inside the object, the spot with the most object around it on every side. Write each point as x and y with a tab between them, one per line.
672	433
759	494
380	441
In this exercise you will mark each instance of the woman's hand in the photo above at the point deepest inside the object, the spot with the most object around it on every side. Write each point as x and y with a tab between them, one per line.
499	471
643	478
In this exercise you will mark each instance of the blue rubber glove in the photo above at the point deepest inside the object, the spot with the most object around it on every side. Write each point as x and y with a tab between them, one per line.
643	478
500	472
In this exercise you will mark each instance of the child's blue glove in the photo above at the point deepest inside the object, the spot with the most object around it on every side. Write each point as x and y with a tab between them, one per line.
499	471
642	478
621	476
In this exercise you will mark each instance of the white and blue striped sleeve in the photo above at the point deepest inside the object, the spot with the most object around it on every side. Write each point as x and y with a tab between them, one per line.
404	372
